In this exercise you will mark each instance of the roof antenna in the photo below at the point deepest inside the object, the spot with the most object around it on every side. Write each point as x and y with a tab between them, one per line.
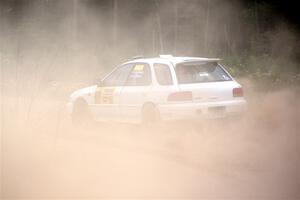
166	56
136	57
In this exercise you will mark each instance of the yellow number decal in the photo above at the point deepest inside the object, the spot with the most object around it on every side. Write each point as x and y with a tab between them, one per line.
98	95
104	95
138	67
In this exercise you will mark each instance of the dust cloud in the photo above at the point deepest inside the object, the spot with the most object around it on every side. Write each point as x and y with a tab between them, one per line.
44	156
44	58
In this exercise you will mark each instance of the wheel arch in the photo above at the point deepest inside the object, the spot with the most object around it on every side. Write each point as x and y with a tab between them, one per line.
79	101
149	103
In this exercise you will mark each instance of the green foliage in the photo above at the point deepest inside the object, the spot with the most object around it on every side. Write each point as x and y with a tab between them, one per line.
75	38
264	70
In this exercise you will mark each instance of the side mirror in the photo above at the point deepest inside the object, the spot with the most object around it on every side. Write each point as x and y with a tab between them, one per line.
100	83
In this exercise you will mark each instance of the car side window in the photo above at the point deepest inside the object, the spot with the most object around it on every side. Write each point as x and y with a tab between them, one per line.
140	75
118	76
163	74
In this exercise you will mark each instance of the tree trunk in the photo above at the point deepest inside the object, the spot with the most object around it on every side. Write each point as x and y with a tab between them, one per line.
206	28
159	28
175	26
115	22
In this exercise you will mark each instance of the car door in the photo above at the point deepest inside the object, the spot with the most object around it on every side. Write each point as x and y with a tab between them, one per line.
165	82
107	95
135	92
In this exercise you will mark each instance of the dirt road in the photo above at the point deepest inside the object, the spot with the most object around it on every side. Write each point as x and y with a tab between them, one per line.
257	157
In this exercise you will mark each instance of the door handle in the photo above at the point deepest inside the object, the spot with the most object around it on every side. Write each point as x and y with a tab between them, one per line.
198	98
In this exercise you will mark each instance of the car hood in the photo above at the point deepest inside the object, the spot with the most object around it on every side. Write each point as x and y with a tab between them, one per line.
83	91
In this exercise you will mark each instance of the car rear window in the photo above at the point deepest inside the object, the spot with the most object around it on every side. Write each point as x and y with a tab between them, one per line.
200	73
163	74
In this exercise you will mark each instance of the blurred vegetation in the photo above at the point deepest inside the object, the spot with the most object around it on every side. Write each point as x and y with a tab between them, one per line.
80	40
272	55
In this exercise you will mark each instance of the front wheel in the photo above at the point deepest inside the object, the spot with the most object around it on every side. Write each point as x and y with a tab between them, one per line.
150	115
81	115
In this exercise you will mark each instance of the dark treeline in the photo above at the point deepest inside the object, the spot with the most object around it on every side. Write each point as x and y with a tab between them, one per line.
253	37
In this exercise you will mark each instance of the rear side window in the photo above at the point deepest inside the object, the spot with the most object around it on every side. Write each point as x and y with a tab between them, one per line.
140	75
200	73
163	74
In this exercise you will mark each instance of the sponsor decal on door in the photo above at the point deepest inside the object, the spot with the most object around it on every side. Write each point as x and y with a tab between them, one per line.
104	95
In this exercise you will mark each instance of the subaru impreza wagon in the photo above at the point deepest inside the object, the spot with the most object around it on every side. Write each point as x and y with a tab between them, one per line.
148	90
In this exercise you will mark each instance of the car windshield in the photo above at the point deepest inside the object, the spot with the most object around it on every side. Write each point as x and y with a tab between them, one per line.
200	73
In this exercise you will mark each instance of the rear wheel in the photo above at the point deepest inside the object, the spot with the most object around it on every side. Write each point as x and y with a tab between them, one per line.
150	115
81	115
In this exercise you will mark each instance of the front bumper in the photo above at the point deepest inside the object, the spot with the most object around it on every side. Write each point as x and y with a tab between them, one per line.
204	110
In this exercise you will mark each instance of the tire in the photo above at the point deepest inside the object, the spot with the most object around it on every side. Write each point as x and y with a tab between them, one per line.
150	115
81	116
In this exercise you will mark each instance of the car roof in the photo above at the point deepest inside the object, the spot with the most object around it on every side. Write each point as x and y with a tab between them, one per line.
172	59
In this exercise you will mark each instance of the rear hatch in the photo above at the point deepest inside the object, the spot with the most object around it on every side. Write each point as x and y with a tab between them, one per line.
208	81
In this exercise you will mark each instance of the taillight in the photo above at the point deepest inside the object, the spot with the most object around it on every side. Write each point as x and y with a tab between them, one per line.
181	96
237	92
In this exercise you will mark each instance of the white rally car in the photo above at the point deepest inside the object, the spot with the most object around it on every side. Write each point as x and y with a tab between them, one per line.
160	89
